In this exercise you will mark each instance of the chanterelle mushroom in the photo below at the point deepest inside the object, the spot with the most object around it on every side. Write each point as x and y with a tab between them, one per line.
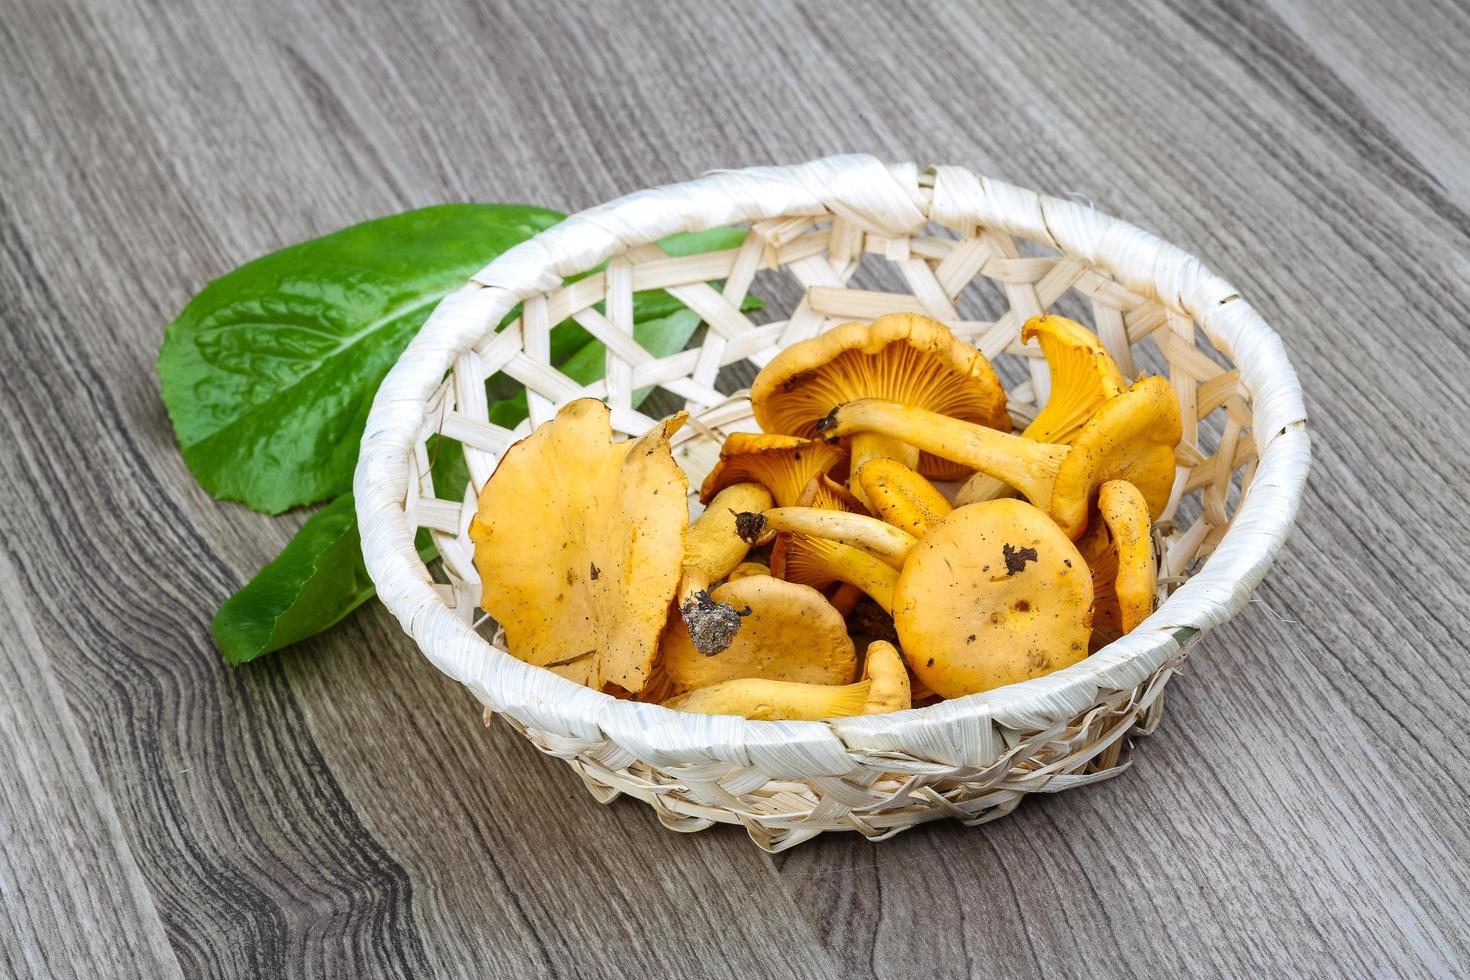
877	538
902	497
890	689
1131	437
1120	555
884	688
711	551
579	542
994	595
782	464
903	358
789	633
1083	376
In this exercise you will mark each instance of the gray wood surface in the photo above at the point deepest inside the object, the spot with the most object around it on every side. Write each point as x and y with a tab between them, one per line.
338	810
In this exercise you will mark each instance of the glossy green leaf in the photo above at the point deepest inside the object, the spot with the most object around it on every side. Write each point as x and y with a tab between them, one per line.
269	372
316	580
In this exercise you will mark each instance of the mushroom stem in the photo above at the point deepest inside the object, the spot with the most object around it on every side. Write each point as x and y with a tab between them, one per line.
712	549
867	533
765	700
983	486
1029	466
847	564
890	689
883	688
873	445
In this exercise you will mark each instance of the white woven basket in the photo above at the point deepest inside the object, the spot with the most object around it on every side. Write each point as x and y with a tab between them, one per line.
1244	461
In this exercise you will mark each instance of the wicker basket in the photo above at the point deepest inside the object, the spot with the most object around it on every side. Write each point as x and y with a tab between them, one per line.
1244	461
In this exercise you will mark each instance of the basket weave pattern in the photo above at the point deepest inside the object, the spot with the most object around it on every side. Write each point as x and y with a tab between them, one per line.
1242	465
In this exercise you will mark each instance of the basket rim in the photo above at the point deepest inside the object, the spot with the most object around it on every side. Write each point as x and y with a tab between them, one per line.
892	200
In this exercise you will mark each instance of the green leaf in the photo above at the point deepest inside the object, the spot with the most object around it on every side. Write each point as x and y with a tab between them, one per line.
269	372
316	580
446	463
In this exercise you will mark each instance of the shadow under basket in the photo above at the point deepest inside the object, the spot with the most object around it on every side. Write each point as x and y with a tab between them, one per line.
979	255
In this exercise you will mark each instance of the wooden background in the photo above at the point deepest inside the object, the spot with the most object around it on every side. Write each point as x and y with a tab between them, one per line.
338	810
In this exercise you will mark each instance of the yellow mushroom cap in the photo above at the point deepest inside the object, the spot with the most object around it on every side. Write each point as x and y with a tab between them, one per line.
782	464
902	497
579	542
902	357
1130	437
994	595
789	633
1124	575
1083	376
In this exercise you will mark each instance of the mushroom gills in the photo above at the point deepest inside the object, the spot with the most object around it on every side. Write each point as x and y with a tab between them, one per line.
903	357
820	562
782	464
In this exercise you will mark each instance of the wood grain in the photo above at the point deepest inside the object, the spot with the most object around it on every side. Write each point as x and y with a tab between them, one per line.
337	810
